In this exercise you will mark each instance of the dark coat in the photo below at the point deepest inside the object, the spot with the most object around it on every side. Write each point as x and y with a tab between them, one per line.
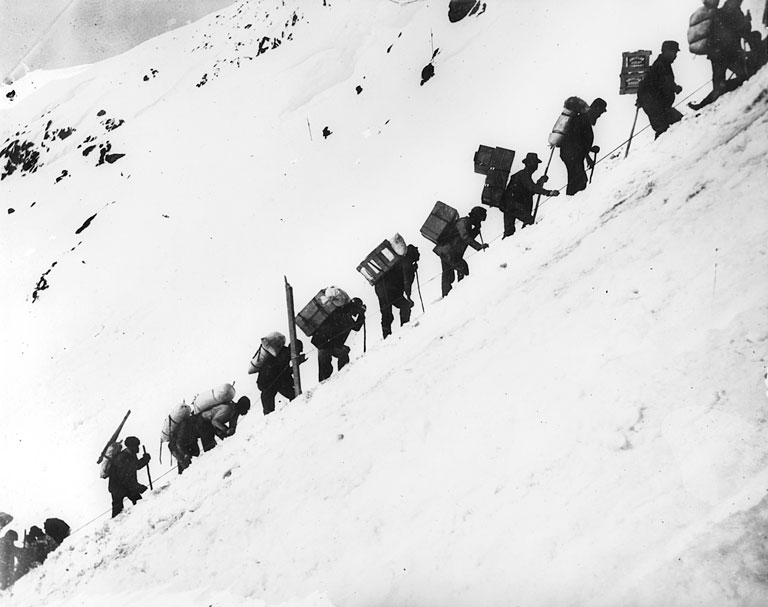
658	88
275	369
122	475
337	327
518	196
578	139
398	281
728	28
463	234
8	554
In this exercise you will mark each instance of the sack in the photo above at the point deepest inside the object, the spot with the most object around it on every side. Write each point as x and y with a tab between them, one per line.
5	519
57	529
573	106
439	223
210	398
109	455
273	342
172	420
320	307
700	29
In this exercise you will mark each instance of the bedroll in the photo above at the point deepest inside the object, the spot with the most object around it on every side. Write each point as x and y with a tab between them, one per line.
699	30
109	454
210	398
573	106
173	419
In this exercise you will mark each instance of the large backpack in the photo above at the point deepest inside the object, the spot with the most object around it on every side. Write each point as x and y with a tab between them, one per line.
700	30
57	529
320	308
5	518
172	420
210	398
439	222
109	455
572	107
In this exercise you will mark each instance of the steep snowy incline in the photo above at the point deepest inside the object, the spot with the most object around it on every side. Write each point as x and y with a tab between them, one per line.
582	421
197	162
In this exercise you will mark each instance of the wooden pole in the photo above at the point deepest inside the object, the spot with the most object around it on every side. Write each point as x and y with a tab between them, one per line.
149	474
292	334
632	132
546	170
418	288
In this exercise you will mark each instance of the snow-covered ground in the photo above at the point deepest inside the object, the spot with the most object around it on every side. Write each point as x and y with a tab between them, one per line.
63	33
581	422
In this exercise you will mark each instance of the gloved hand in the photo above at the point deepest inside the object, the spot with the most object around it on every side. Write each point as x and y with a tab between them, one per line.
678	89
484	246
144	460
554	192
542	180
595	149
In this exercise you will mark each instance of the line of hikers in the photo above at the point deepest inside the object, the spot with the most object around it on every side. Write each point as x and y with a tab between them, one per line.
17	561
332	315
718	33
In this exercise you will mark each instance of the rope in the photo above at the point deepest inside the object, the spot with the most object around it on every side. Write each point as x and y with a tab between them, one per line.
472	253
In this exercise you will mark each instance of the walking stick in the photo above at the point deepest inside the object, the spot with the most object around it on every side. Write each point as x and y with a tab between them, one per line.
592	170
632	132
418	288
365	337
546	170
149	474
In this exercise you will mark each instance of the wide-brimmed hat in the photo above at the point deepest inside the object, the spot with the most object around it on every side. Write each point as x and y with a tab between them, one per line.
531	157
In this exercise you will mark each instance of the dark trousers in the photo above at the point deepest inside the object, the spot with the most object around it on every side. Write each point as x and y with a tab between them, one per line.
206	433
511	213
279	387
720	65
577	175
661	117
452	271
387	317
118	495
325	360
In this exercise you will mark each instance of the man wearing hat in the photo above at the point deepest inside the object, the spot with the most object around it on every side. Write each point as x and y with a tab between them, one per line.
517	201
656	93
122	475
577	145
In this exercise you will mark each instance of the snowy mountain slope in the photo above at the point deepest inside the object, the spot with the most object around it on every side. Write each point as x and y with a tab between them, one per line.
63	33
583	412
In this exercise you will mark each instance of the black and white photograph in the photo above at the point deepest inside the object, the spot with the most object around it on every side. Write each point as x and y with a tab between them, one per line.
384	303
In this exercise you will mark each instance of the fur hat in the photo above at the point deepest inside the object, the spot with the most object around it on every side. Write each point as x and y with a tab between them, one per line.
132	440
